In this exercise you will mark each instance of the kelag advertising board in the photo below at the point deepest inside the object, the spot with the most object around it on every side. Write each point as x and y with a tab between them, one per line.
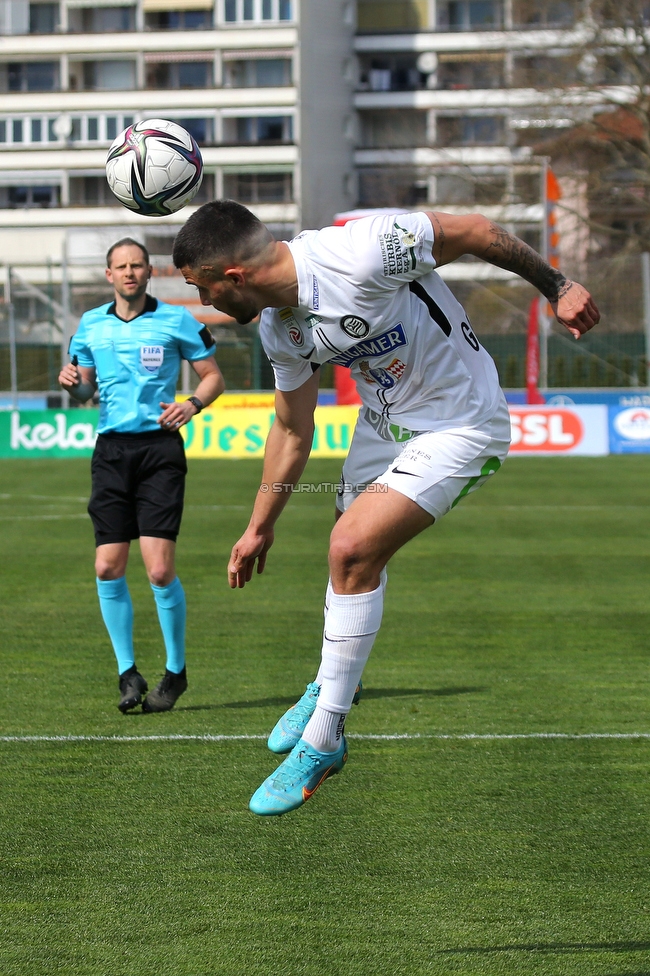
241	431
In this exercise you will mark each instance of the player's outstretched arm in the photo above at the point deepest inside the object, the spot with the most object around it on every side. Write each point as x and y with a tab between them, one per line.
286	453
474	234
79	381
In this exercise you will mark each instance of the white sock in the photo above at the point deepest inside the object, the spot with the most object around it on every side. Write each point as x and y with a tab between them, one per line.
351	625
383	579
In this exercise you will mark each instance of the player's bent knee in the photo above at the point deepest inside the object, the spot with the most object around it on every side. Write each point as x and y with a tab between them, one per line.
352	557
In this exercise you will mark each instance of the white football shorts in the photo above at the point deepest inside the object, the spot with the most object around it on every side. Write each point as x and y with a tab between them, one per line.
433	468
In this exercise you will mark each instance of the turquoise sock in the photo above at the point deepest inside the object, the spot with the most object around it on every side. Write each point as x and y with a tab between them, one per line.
117	611
170	601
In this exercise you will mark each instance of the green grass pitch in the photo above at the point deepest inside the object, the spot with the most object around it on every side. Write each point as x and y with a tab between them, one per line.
525	611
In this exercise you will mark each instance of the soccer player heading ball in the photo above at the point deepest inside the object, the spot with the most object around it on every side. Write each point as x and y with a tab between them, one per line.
433	425
131	349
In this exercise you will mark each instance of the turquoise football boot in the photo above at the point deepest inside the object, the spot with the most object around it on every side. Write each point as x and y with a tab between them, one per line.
288	730
297	779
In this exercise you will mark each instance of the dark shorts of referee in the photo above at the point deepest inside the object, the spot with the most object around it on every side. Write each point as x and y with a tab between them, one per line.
138	486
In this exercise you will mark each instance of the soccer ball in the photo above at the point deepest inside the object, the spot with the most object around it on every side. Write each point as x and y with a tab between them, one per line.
154	167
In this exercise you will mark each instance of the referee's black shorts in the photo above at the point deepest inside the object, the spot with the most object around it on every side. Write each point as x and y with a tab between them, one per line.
138	486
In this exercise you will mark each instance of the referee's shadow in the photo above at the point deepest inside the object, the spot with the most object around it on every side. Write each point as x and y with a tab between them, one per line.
368	695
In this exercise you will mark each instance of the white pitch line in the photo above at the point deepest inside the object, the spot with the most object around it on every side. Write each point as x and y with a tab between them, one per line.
387	737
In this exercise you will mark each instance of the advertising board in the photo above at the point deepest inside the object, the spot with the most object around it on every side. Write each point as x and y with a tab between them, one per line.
629	430
241	431
543	430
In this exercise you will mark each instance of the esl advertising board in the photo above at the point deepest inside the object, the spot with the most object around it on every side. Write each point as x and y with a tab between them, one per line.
241	431
629	430
559	430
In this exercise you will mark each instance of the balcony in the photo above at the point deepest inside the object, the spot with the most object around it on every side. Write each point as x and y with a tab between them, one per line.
101	20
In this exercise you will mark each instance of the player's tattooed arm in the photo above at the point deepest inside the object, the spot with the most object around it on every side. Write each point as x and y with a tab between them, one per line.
509	252
474	234
571	303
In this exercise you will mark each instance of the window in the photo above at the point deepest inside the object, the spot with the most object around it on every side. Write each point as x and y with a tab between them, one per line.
545	13
111	127
466	15
28	197
101	20
3	131
179	20
469	130
43	18
199	129
258	73
93	129
179	74
259	187
37	130
258	129
395	15
251	11
104	75
461	75
467	188
390	73
90	191
543	71
32	76
385	187
393	129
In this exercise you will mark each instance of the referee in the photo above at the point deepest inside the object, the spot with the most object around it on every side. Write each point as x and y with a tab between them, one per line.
131	351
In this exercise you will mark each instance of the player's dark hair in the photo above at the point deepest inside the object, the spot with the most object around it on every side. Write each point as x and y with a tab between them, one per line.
121	243
219	231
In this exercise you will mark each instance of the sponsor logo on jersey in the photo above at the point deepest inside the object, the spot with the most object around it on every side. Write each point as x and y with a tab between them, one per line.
385	377
354	326
315	293
388	431
292	327
397	367
151	358
313	320
377	346
380	376
398	251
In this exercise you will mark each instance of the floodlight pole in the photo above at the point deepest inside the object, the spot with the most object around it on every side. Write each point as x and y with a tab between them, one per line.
645	279
11	317
65	303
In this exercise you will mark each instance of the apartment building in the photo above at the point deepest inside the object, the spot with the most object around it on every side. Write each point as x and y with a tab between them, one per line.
302	109
252	80
455	100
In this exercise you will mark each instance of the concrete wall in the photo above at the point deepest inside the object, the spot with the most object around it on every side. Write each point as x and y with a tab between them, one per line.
327	72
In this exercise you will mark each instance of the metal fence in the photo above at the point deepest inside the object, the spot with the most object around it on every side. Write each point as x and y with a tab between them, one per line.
42	314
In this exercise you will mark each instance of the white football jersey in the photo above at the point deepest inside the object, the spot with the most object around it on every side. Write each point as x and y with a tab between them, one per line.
369	299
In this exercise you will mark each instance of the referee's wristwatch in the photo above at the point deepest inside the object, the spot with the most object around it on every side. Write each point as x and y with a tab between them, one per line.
197	403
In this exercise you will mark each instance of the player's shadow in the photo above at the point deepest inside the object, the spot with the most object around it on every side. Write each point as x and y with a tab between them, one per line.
368	695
